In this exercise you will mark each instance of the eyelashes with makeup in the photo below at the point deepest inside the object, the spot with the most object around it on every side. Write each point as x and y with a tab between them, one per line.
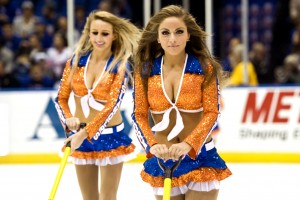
103	34
178	32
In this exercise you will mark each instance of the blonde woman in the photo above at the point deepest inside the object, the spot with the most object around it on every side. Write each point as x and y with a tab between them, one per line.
178	80
97	74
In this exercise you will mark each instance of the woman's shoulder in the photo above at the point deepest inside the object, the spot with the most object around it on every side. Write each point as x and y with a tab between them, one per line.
193	65
156	66
83	59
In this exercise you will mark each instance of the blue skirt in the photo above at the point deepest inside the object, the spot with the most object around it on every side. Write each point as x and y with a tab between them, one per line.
208	166
112	143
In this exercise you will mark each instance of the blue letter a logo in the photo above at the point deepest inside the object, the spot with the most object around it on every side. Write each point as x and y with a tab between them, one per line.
51	112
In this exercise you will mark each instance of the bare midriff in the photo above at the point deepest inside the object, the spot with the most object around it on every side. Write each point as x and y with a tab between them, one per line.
190	121
116	119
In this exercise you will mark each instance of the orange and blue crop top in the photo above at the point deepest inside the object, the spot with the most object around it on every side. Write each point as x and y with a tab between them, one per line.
192	97
109	91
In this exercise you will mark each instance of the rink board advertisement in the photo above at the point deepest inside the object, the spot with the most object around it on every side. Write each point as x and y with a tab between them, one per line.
254	121
32	124
262	120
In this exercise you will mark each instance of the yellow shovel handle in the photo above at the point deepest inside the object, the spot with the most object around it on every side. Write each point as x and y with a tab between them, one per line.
60	172
167	189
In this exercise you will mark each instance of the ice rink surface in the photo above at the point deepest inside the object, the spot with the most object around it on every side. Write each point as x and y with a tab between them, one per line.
248	182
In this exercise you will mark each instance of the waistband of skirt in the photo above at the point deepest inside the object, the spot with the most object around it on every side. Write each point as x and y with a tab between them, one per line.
113	129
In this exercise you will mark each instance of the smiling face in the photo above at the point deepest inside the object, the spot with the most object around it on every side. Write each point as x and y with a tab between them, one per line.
101	35
173	35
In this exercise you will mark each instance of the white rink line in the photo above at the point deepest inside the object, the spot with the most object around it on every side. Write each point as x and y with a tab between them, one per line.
249	182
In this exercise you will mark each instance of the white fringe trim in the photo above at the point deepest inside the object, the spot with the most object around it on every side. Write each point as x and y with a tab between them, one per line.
204	186
196	186
104	161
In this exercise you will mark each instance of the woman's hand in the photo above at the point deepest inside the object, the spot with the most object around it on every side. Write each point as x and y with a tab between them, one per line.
160	151
179	149
73	123
77	139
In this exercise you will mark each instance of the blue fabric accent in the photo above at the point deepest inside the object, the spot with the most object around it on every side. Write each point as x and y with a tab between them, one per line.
205	159
140	134
156	67
116	67
216	127
138	130
106	142
60	112
193	66
83	61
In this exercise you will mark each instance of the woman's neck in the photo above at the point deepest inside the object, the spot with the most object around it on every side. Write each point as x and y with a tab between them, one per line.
98	56
172	61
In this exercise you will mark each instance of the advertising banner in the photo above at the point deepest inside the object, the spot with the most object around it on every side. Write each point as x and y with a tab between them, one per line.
255	123
261	119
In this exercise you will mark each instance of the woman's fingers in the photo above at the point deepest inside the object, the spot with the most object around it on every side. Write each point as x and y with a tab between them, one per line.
77	124
67	140
77	139
175	152
160	151
73	123
179	149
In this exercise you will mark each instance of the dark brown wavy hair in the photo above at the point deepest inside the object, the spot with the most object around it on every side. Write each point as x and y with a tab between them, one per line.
149	48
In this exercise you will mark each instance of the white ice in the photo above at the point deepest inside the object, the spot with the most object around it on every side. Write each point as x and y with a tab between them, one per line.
248	182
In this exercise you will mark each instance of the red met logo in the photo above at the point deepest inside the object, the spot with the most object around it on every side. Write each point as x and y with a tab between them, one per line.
268	111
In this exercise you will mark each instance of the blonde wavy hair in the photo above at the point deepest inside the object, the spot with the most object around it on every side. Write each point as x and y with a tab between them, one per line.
123	47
